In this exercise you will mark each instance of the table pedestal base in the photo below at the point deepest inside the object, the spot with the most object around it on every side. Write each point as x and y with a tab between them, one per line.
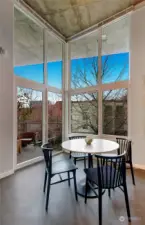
81	188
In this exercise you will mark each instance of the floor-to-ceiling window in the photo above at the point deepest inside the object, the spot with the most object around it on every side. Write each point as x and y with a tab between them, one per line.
115	76
38	80
99	77
29	72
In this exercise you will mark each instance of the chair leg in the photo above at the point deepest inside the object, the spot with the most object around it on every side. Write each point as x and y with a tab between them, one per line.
92	165
70	155
109	193
100	207
127	202
132	173
68	178
75	161
86	191
75	185
48	191
45	180
85	163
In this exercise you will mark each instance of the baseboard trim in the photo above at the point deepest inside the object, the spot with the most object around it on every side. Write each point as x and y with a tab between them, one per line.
33	161
6	174
29	162
139	167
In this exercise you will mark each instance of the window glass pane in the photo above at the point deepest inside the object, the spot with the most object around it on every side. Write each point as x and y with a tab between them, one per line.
29	117
84	113
55	119
28	48
115	112
115	51
54	62
84	61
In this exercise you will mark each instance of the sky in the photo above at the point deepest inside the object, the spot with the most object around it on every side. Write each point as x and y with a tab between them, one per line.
35	72
117	64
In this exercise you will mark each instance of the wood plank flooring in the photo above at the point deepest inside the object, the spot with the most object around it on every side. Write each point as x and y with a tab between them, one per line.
22	201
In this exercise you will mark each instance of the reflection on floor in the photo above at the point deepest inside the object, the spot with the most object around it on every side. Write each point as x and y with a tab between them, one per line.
22	201
29	152
32	151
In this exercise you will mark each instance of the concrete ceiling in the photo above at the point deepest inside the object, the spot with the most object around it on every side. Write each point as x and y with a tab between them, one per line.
72	16
28	44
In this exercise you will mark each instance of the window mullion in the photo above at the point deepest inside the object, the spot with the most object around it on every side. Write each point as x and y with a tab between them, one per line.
100	111
45	92
45	49
45	116
66	86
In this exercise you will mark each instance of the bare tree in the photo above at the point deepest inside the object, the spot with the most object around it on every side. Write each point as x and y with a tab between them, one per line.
26	98
24	105
85	106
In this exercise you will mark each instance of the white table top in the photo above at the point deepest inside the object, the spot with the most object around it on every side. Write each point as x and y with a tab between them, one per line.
98	146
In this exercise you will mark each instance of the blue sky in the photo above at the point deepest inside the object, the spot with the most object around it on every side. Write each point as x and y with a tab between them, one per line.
35	72
117	64
118	67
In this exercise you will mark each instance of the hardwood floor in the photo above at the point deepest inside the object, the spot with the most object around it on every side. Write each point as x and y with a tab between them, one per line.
22	201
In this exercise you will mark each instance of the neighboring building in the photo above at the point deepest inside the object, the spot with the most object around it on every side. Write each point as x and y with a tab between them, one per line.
32	122
84	117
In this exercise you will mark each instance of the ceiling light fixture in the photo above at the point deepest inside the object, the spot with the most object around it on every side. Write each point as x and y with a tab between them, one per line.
104	37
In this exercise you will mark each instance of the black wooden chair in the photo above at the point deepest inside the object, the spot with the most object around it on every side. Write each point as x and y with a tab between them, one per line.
106	177
57	168
78	156
125	145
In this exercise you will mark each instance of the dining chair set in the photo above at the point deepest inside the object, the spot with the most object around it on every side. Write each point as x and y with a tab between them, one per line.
108	174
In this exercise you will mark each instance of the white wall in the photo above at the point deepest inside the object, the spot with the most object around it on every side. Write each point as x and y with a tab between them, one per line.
137	62
137	106
6	87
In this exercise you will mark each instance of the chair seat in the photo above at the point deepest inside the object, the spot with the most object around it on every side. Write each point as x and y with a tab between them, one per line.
108	171
78	155
63	166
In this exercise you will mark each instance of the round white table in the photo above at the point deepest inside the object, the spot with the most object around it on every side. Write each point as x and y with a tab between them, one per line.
98	146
